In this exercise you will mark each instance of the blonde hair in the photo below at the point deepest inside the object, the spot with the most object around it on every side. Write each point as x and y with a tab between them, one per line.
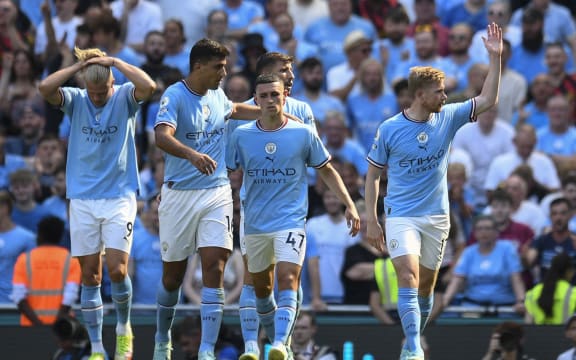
423	76
94	73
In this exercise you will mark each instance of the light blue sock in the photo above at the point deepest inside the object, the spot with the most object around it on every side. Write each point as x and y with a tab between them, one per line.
299	301
167	301
211	311
266	308
426	304
249	321
92	312
409	312
122	297
285	314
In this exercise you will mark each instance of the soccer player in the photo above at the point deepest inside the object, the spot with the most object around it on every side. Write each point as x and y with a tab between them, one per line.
101	181
281	65
274	154
195	211
413	146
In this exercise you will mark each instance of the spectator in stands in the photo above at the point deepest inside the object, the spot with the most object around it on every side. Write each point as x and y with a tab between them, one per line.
528	56
12	38
403	96
426	43
332	238
30	120
192	14
558	240
498	283
499	13
357	274
471	12
154	50
460	196
425	11
267	28
137	18
217	25
558	22
503	165
568	191
558	139
233	275
251	48
60	28
570	334
241	14
475	77
534	112
372	105
342	80
397	46
186	334
107	36
352	180
513	87
290	42
16	240
8	162
494	137
329	33
304	344
145	266
377	11
46	279
552	302
49	157
536	191
313	93
57	204
384	295
519	234
459	42
177	53
305	12
18	79
523	210
563	82
27	212
506	343
337	142
237	88
310	278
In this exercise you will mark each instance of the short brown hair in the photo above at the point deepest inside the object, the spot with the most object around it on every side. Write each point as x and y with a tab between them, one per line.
423	76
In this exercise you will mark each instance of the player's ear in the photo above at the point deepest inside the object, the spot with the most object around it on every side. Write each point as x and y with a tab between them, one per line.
255	101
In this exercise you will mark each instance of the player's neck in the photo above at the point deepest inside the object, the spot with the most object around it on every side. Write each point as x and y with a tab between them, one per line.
195	86
417	113
272	122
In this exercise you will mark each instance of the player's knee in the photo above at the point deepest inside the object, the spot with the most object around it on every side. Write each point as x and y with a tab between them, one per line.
171	282
91	278
407	278
287	280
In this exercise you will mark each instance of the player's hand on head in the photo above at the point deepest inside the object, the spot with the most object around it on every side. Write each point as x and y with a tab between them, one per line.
101	60
204	163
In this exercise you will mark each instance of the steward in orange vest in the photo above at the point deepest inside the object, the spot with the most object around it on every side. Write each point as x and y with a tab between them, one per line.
46	279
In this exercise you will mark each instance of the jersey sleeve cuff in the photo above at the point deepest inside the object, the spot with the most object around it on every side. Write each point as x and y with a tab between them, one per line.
377	164
322	164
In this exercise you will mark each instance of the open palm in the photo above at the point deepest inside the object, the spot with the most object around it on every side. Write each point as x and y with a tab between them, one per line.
493	42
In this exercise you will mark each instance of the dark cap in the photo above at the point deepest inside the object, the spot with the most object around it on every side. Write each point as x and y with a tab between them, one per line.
253	41
531	15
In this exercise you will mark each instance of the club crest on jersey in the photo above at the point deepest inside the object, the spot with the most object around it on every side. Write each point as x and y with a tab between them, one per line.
270	148
422	140
205	112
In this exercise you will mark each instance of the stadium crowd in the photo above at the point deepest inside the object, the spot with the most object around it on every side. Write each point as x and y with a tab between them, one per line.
351	59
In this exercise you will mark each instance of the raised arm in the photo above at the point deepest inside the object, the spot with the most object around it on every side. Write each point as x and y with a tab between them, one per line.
489	95
49	88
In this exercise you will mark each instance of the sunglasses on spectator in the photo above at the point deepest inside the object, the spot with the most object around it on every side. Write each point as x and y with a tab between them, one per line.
5	9
457	37
496	13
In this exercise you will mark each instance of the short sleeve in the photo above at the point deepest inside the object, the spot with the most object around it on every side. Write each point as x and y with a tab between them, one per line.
318	155
168	109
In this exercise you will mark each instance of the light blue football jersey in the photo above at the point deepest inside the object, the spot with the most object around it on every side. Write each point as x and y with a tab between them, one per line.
417	157
101	160
275	177
200	122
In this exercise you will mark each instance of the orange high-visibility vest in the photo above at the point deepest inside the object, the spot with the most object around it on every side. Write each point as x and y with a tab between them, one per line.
45	271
